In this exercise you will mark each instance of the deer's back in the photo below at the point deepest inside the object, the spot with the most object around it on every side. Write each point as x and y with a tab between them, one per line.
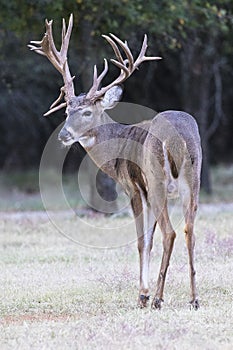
175	130
172	145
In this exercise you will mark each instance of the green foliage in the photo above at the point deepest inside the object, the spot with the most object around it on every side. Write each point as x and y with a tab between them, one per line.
29	83
167	19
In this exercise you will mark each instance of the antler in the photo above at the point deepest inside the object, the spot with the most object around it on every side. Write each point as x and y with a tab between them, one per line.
127	66
46	47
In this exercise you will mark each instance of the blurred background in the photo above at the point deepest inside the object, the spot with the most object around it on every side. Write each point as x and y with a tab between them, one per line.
193	37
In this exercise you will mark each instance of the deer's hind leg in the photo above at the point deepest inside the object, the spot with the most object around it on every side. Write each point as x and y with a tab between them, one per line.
145	225
189	197
169	236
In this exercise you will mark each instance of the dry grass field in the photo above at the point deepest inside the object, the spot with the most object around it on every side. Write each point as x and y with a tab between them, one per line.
57	294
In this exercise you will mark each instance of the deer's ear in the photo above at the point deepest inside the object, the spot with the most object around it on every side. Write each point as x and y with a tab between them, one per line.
111	97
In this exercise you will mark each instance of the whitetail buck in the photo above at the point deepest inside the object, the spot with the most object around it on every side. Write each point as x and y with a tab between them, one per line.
151	160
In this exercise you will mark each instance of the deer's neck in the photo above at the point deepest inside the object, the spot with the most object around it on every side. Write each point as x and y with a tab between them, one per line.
100	143
104	130
109	141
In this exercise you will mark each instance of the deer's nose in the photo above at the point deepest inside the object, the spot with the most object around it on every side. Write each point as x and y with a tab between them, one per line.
64	135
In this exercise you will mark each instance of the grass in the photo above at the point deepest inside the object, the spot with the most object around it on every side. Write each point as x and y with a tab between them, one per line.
222	184
19	191
55	294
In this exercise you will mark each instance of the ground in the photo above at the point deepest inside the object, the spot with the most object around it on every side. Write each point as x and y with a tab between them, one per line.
58	294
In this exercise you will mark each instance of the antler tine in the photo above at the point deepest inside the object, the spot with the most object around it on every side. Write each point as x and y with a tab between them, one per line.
104	72
120	63
51	48
122	66
115	48
45	50
66	35
142	57
97	80
35	48
126	50
144	47
52	110
63	33
60	97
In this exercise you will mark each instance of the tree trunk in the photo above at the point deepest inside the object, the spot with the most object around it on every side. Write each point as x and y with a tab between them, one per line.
196	90
204	88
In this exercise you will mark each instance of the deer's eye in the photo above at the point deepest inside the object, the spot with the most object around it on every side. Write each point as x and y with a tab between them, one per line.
87	114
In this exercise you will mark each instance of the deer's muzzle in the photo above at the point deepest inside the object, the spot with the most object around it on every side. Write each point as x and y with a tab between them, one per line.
64	135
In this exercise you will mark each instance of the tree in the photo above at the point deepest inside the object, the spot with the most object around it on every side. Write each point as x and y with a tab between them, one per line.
200	33
194	37
203	59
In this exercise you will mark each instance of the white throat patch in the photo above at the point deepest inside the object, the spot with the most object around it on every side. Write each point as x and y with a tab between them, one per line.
87	141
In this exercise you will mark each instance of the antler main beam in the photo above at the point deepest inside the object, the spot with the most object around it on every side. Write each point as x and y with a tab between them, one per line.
127	66
47	47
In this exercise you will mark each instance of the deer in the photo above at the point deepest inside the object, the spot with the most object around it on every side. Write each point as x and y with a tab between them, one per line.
153	160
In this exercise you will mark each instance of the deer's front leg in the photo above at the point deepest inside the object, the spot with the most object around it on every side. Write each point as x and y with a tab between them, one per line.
145	226
144	248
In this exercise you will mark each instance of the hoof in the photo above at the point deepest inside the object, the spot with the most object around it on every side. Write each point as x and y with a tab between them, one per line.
194	304
157	303
142	301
